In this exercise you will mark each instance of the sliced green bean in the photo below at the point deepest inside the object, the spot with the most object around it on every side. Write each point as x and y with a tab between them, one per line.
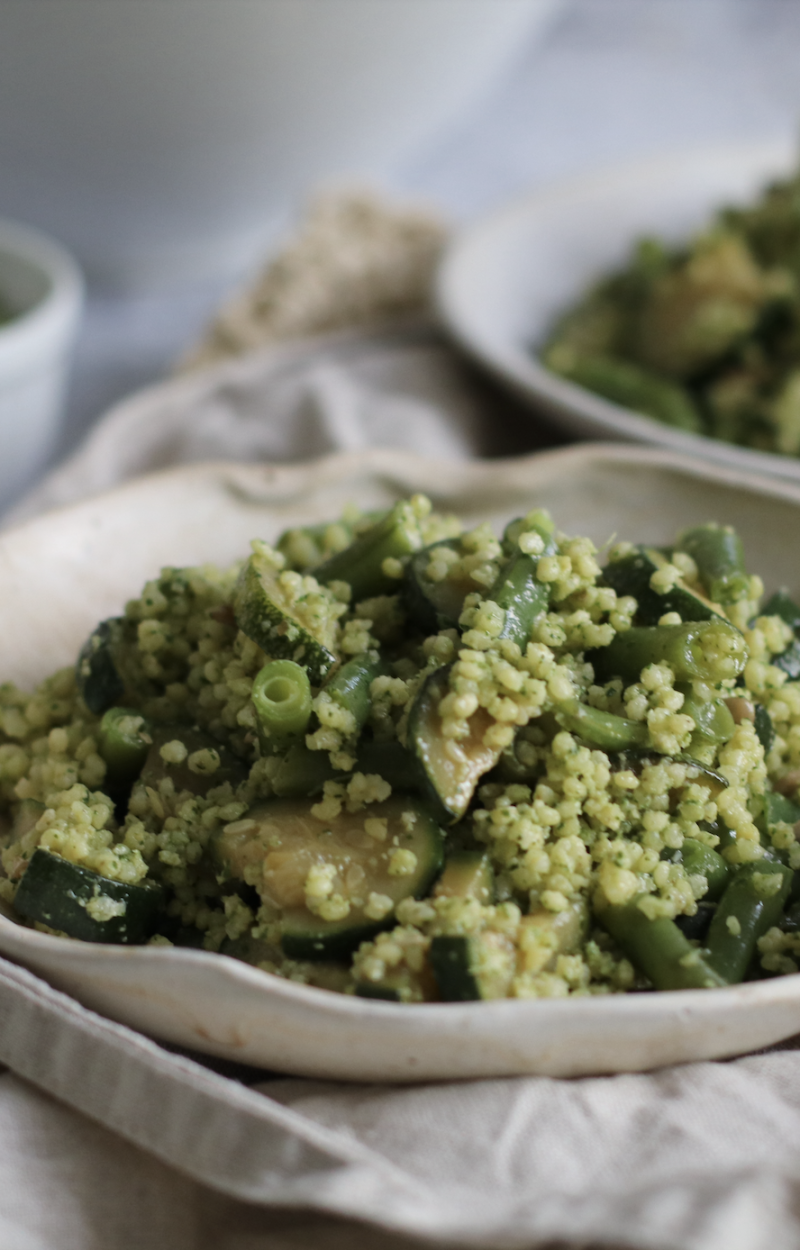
601	729
712	717
752	903
709	650
395	536
539	520
718	553
658	948
518	592
350	685
700	860
282	699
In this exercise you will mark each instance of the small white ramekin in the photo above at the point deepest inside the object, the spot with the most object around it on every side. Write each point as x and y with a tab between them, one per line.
43	287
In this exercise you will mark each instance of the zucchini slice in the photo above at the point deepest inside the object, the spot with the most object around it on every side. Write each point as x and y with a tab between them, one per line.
452	768
470	968
631	576
397	854
467	874
263	613
483	966
435	605
98	676
85	905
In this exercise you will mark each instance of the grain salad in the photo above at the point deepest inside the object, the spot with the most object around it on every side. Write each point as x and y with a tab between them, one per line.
400	758
704	335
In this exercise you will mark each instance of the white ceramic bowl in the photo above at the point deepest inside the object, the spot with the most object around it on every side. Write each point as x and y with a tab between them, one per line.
92	556
42	286
163	138
505	278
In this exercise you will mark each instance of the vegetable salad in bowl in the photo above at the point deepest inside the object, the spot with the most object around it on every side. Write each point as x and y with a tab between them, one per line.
402	759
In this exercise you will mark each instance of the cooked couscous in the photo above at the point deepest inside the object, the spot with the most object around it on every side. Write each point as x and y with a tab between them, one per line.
399	758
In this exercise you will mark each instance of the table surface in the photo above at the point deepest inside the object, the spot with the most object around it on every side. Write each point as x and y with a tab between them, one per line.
613	80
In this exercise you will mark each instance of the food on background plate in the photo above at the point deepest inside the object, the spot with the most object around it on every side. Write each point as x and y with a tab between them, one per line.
704	337
399	758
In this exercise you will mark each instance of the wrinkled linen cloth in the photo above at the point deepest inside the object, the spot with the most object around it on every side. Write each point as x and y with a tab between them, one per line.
402	388
701	1157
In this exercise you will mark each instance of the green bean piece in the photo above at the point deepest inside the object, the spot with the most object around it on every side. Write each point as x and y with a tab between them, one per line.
282	699
777	807
658	948
700	860
124	741
395	536
601	729
709	650
751	904
712	717
517	590
633	386
539	520
350	685
718	553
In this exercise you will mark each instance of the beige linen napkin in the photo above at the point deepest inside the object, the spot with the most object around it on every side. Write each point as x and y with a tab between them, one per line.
703	1157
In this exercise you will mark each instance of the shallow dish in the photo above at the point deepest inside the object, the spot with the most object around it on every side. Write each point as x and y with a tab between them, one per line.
92	556
505	279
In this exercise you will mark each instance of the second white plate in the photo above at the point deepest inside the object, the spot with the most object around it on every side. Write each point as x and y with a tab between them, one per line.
505	279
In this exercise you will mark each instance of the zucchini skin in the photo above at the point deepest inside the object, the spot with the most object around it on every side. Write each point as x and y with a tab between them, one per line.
631	576
55	892
96	670
433	605
273	627
452	961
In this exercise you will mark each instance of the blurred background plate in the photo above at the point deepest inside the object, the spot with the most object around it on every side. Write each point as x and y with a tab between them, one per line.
505	279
